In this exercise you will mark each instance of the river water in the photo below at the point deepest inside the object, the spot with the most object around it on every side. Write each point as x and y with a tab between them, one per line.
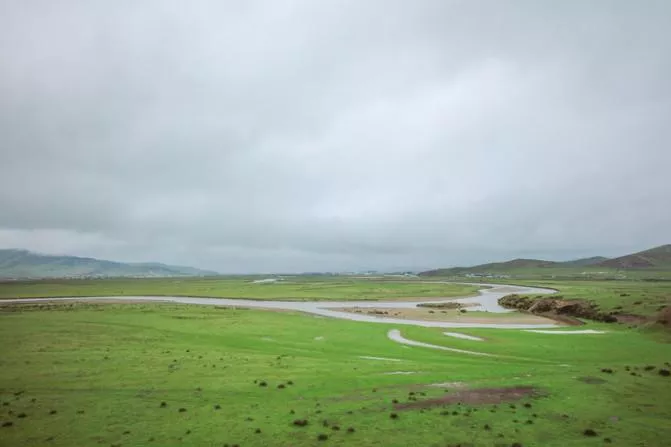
487	301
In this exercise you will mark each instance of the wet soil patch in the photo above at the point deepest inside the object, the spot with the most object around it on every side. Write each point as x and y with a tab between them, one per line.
476	396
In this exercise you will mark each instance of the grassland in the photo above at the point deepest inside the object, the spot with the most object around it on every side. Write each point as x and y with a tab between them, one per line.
645	298
296	289
557	273
119	375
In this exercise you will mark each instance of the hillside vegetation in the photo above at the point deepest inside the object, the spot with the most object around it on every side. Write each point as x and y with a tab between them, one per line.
653	263
24	264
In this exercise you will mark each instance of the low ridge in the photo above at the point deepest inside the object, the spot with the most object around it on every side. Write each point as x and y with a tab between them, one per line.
654	257
658	257
24	264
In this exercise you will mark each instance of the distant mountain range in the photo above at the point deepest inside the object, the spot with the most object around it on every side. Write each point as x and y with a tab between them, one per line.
24	264
654	258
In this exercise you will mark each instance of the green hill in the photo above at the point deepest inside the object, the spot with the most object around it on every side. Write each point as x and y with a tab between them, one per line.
594	260
658	257
23	264
498	267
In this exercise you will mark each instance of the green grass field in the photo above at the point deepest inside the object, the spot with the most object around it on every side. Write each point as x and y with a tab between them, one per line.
292	289
644	298
98	375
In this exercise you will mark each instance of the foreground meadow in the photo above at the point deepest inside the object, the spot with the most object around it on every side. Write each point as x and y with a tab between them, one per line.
167	375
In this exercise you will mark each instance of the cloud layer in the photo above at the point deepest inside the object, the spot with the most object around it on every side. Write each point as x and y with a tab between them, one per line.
299	136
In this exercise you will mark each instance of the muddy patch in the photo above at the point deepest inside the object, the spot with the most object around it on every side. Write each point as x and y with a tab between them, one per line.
460	317
473	397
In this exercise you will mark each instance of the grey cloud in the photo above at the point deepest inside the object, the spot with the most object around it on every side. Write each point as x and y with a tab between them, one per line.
300	135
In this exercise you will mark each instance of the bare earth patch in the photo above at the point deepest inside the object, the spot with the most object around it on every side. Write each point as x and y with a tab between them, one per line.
474	397
447	315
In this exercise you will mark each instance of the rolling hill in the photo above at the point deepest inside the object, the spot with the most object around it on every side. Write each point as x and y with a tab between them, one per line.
594	260
654	258
657	257
24	264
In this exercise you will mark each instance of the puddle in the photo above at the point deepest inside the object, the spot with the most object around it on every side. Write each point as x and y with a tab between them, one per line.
369	357
463	336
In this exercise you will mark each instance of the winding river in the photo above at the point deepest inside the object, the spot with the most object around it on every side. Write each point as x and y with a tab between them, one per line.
487	300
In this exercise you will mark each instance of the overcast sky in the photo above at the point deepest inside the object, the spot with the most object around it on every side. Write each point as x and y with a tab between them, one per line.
303	135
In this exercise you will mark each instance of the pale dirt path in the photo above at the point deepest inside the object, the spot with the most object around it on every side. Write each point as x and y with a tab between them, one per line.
463	336
396	336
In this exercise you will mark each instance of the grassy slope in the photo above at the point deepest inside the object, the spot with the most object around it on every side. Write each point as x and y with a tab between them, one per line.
561	272
633	297
653	263
333	289
26	264
116	364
